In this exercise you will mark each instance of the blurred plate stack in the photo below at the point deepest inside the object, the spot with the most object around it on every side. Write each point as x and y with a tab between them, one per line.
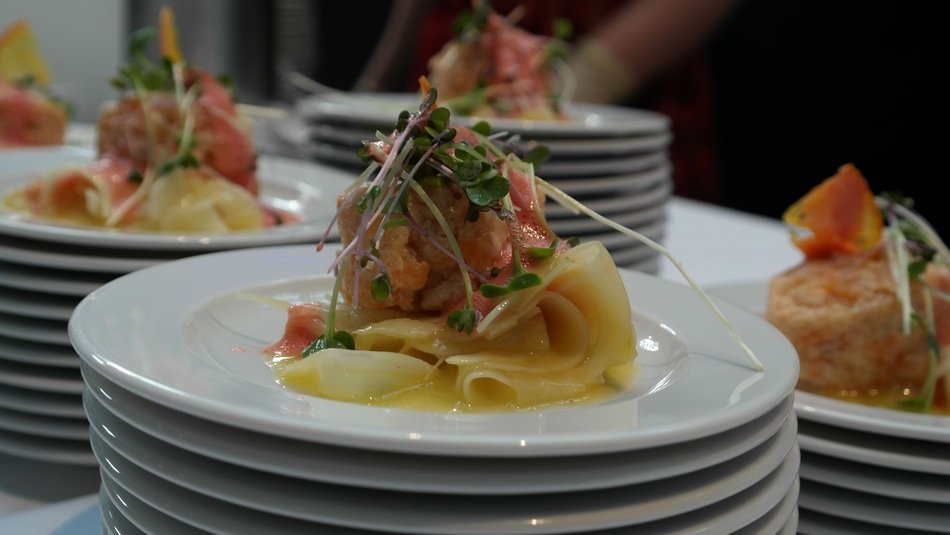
872	470
193	433
612	159
864	469
46	269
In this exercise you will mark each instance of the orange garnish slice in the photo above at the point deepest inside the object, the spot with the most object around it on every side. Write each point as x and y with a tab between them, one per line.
20	55
840	214
168	36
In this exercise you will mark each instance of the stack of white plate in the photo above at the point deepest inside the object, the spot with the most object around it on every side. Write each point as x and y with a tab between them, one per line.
864	469
613	159
45	270
872	470
194	434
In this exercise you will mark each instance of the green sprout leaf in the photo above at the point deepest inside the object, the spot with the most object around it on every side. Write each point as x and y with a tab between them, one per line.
483	128
380	287
339	340
462	320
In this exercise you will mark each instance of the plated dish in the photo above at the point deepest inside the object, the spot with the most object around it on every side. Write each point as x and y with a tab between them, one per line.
305	189
694	381
377	110
751	295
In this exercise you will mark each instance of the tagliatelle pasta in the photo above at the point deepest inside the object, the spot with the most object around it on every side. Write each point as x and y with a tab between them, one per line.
569	339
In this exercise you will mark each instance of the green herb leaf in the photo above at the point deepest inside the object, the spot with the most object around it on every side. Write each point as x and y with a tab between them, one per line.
380	287
483	128
538	155
462	320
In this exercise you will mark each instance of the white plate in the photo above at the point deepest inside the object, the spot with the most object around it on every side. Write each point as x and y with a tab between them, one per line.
41	378
875	479
305	189
51	450
41	403
21	351
37	304
117	410
632	220
780	520
52	281
44	426
554	169
606	184
77	257
658	195
752	296
616	242
874	449
114	522
380	110
611	146
34	329
815	523
289	504
177	348
874	509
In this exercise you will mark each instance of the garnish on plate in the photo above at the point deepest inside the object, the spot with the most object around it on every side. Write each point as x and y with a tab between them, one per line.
173	155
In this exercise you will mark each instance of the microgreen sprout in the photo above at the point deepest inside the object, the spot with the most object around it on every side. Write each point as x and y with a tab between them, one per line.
331	337
911	245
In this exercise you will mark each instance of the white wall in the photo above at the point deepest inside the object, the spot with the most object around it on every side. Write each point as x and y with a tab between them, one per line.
83	41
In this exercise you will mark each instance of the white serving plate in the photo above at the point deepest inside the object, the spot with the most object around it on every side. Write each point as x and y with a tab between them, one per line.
305	189
654	196
875	449
181	349
293	508
632	219
117	410
32	353
875	509
554	169
34	329
627	182
44	426
51	450
875	479
380	110
51	281
606	147
752	296
41	402
37	304
40	378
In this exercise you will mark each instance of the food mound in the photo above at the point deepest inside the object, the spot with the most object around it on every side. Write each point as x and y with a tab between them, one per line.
172	155
867	309
30	115
456	295
492	68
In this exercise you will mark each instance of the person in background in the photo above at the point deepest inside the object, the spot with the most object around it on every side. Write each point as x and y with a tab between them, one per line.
802	88
638	53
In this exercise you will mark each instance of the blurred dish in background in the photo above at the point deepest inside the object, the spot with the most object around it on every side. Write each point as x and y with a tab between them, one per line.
30	114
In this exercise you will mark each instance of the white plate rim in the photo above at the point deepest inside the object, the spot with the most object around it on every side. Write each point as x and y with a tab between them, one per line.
382	110
479	435
276	172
